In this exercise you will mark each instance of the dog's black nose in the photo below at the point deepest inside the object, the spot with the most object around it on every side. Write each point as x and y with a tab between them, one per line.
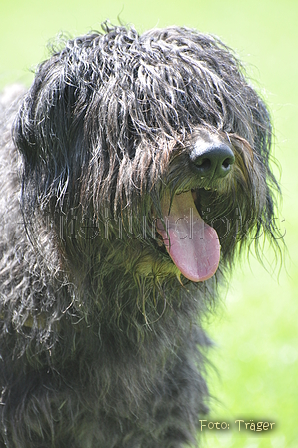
212	160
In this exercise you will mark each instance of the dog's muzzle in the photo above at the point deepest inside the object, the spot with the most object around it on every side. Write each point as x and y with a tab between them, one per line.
192	244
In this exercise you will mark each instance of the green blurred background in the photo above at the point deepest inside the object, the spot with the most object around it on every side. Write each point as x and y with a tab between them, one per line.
255	328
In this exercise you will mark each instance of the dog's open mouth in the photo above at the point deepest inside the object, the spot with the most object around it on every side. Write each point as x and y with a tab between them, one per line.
191	243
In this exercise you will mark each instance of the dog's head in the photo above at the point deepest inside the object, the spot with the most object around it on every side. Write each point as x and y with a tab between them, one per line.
158	139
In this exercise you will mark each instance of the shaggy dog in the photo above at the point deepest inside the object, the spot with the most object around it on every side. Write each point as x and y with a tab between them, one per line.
137	170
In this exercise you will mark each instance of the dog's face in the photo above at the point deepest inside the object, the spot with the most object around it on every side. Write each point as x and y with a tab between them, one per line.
156	137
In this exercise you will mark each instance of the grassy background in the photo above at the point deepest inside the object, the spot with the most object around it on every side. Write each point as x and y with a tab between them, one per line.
256	329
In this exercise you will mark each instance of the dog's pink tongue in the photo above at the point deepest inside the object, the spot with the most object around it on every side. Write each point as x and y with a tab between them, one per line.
192	244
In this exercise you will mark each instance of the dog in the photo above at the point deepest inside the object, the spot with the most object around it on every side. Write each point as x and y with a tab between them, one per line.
134	172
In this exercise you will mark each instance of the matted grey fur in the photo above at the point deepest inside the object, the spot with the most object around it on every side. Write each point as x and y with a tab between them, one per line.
117	151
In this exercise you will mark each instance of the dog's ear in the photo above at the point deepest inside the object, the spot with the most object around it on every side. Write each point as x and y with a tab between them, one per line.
46	132
44	123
